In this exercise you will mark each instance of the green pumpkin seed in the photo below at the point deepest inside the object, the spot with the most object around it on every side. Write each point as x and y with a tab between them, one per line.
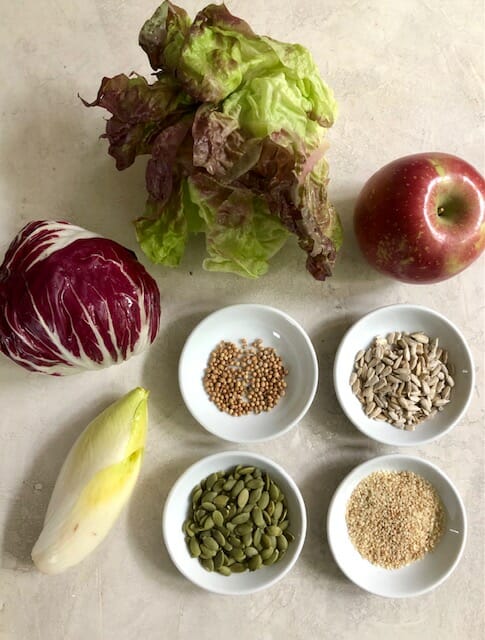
247	539
218	560
219	537
282	543
218	485
237	554
200	514
229	484
243	498
250	552
208	506
230	527
263	501
245	470
278	510
220	501
231	512
241	529
229	562
267	481
208	564
206	552
241	518
257	517
257	538
224	571
256	483
274	530
266	541
218	518
236	542
267	518
257	473
272	559
237	567
283	525
194	548
208	523
208	496
289	536
196	494
210	481
267	553
237	488
254	496
248	508
256	562
270	508
274	492
211	543
227	546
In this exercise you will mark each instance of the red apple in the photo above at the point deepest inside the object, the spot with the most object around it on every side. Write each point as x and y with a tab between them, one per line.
421	218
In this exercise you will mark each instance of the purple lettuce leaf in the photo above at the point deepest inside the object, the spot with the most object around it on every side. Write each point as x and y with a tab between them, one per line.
163	35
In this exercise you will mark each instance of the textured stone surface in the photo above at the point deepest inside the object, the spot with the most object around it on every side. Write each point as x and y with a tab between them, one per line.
408	76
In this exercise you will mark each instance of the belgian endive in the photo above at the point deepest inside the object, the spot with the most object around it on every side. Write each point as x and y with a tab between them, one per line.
95	482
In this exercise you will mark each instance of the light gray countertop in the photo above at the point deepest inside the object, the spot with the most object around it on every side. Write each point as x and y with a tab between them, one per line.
408	77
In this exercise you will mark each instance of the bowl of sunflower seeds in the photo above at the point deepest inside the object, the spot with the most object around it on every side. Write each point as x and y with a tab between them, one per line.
248	373
234	523
404	375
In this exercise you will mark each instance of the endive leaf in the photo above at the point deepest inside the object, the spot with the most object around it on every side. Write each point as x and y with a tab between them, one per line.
95	482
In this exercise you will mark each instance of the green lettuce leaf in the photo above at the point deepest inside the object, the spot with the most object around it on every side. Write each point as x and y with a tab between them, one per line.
236	128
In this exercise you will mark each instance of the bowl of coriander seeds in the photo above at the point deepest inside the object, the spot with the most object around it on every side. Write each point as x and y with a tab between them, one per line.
404	375
248	373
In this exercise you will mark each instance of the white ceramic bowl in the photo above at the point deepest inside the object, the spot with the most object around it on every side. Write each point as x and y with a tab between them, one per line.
408	318
277	330
418	577
176	511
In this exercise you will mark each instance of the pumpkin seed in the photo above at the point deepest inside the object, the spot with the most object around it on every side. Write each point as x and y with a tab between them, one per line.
237	567
208	496
241	529
219	537
208	523
224	571
243	498
245	470
196	493
251	552
208	506
255	495
247	539
282	543
263	501
205	552
266	541
237	488
208	564
255	563
236	542
237	554
221	500
278	510
241	518
229	484
257	483
274	492
272	559
210	543
257	538
194	548
218	518
210	481
257	517
218	560
267	553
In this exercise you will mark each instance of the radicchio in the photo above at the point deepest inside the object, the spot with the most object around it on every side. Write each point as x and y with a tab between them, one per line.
71	300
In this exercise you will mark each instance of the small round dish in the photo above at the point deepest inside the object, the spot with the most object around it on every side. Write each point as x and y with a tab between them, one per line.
419	577
176	510
407	318
276	329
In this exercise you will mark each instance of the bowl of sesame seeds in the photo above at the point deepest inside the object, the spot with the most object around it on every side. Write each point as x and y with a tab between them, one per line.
404	375
248	373
396	526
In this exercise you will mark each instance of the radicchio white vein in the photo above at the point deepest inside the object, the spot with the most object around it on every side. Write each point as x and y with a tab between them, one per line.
71	300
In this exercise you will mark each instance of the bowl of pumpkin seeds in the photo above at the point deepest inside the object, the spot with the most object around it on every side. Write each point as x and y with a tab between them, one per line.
404	375
234	523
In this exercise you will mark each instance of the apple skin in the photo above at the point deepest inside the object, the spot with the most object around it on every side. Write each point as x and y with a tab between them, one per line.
421	218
